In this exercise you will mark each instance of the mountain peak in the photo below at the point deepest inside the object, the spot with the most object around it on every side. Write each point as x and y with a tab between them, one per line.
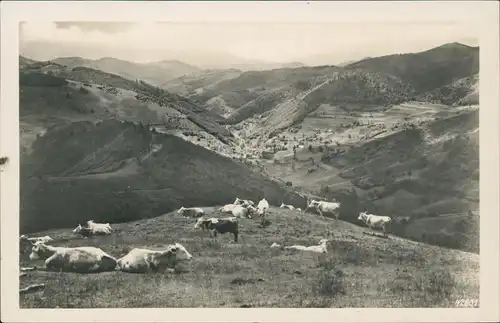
454	45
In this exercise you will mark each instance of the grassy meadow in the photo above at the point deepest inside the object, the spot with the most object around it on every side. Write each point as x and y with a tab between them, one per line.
359	270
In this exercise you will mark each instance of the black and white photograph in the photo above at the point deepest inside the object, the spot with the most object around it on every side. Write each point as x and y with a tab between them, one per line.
244	164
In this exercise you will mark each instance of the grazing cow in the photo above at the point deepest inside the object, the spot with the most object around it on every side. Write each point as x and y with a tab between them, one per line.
375	221
228	208
287	206
90	231
320	248
324	207
223	225
79	259
242	212
239	201
99	226
262	207
191	212
144	260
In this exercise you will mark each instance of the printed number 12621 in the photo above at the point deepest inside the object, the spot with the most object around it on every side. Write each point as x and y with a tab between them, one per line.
467	302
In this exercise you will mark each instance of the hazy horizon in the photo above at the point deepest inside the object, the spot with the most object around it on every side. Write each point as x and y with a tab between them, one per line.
209	45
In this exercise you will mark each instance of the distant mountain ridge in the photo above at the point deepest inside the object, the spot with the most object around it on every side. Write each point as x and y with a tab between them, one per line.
155	73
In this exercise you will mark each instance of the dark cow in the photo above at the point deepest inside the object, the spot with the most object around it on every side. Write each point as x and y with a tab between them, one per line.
221	226
83	231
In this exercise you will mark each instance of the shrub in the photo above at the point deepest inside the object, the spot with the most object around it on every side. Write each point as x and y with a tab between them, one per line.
330	280
289	183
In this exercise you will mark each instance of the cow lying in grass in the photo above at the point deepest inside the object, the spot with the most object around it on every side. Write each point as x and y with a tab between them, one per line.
43	239
376	222
191	212
25	242
93	229
240	211
79	259
244	203
223	225
320	248
228	208
144	260
287	206
323	207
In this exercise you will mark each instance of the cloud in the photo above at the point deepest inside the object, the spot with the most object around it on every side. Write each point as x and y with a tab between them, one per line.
105	27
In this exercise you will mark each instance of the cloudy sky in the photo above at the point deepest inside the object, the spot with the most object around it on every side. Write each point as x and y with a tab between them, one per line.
206	44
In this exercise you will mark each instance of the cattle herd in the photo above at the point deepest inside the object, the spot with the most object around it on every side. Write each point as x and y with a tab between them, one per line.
92	259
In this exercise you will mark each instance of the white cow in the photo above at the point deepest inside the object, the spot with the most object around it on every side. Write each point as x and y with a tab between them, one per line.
43	239
191	212
275	245
25	242
239	201
320	248
375	221
92	230
228	208
287	206
144	260
298	209
240	211
262	207
79	259
324	207
99	226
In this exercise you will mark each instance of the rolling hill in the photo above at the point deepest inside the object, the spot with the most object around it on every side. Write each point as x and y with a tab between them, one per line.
240	88
51	93
119	171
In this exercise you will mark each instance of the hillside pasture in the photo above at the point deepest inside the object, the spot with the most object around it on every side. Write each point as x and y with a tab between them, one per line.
358	271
